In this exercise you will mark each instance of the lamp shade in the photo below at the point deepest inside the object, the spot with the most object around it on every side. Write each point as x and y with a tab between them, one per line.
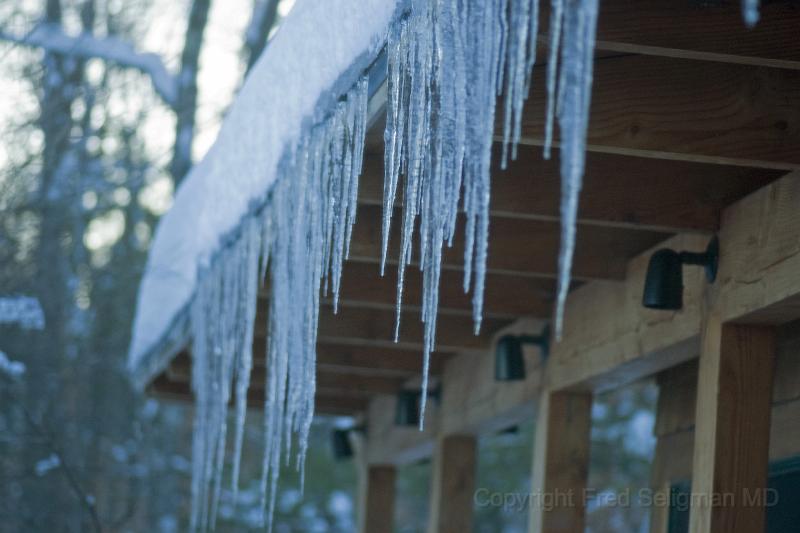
663	285
509	362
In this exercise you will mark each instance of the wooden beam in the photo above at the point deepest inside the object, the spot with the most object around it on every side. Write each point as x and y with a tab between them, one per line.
337	358
362	285
325	402
364	360
700	30
670	196
731	447
474	402
388	443
686	110
347	384
561	462
519	247
453	484
760	257
375	328
378	495
610	339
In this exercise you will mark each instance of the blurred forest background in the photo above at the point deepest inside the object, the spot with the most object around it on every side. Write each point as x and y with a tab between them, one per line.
104	105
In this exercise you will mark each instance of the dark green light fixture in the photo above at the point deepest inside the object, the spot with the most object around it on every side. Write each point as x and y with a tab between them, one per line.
509	361
340	441
663	285
406	412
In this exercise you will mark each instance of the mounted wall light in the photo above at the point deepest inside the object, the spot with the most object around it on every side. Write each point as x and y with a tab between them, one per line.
663	285
406	411
509	361
340	442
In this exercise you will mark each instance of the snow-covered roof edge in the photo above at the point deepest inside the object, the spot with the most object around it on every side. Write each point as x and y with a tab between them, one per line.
317	55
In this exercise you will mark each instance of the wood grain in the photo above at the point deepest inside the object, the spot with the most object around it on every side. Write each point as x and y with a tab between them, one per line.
453	484
698	111
561	462
731	449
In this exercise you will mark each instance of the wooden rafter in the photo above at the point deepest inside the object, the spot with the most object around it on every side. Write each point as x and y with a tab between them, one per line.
697	111
628	192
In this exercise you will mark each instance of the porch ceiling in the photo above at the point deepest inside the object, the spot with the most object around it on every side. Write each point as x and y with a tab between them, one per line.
686	119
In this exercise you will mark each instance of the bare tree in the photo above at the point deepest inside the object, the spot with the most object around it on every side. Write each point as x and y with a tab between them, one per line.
265	14
186	101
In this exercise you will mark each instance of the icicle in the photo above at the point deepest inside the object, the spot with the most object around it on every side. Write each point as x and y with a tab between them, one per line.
577	61
448	61
556	19
517	65
304	236
221	319
312	214
249	288
750	12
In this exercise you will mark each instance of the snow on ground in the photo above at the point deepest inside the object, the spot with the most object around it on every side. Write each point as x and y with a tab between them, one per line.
12	369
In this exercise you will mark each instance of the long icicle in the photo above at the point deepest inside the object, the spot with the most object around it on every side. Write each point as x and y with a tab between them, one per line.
303	236
575	83
438	111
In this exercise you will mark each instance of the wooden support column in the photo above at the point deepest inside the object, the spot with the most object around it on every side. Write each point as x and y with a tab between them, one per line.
377	499
453	484
561	463
731	449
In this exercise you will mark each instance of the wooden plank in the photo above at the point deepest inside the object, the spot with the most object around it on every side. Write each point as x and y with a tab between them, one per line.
760	256
340	357
375	327
519	247
324	402
388	443
611	340
349	384
711	31
671	196
363	285
673	457
453	484
364	360
677	397
378	495
561	462
731	449
474	402
687	110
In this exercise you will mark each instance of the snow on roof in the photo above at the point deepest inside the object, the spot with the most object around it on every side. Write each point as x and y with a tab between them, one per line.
315	57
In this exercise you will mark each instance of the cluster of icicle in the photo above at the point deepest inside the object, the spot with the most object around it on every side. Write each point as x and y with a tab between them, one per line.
448	62
303	235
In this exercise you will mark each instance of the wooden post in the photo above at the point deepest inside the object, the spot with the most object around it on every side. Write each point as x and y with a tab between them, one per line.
453	484
731	447
561	463
377	499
